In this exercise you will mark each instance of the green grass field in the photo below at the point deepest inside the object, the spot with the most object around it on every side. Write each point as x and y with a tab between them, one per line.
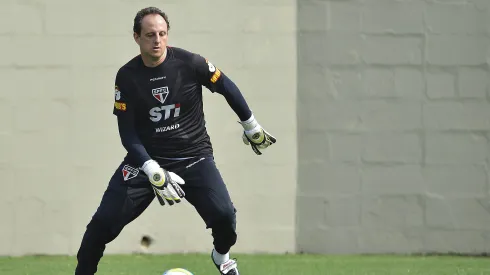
200	264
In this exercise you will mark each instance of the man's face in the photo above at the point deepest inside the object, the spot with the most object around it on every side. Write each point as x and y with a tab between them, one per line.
153	38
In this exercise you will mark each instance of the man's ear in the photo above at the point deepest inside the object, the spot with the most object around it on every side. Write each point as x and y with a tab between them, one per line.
136	38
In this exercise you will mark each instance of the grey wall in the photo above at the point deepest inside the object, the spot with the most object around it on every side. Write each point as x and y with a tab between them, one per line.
393	126
58	138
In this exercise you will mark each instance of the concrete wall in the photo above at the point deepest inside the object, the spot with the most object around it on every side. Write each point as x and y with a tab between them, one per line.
393	126
59	143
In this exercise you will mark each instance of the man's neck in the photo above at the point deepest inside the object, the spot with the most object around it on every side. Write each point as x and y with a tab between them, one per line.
153	63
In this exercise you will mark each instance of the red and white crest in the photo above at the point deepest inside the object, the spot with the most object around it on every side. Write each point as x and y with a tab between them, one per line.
129	172
160	93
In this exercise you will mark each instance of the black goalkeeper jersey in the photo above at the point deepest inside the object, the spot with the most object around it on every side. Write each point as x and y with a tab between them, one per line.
166	102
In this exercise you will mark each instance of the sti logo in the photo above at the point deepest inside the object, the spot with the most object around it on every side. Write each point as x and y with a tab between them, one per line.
129	172
156	112
160	94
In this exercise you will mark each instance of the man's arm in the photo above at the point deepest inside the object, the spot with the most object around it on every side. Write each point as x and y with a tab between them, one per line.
124	110
130	139
216	81
233	96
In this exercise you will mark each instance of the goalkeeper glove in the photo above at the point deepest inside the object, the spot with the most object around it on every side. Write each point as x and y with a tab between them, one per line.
165	184
255	136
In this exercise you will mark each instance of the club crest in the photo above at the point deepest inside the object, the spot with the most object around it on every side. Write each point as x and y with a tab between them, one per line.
129	172
160	94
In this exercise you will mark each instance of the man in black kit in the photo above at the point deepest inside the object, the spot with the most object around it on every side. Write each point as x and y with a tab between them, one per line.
159	109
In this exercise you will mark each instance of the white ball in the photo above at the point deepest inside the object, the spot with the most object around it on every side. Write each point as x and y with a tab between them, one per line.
177	271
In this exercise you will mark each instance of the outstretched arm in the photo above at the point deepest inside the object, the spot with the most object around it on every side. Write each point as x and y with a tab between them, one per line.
234	97
216	81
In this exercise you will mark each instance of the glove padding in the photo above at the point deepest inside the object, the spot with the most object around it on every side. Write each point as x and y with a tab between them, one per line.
166	185
255	136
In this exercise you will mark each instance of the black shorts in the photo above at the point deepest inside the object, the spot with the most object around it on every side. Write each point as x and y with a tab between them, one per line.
129	192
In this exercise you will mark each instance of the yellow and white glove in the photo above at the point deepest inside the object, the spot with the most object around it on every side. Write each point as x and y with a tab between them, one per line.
165	184
255	136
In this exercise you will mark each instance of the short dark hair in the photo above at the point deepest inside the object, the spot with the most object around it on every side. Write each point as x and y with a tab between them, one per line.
144	12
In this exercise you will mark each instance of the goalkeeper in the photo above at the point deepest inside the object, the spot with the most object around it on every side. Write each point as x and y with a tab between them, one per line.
159	109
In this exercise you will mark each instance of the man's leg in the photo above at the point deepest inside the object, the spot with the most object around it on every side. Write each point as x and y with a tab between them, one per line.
207	192
126	197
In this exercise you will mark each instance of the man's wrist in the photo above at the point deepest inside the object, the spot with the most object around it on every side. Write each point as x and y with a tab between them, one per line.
250	123
150	166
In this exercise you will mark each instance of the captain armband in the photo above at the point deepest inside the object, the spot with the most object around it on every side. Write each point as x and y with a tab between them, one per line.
120	106
216	72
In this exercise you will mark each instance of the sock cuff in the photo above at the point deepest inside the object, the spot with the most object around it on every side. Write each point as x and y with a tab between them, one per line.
219	258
